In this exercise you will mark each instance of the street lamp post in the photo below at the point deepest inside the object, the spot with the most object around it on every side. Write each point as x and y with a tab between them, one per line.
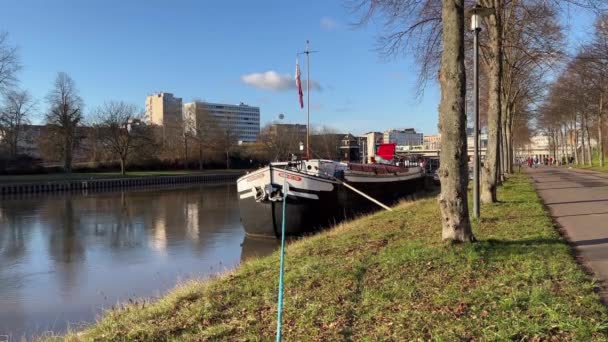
477	13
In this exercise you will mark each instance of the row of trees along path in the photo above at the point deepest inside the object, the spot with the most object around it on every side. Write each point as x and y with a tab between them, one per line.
522	39
573	113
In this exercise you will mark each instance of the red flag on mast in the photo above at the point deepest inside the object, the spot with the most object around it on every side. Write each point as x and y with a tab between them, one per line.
299	84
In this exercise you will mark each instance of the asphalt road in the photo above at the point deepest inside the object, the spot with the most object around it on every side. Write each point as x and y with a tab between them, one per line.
578	201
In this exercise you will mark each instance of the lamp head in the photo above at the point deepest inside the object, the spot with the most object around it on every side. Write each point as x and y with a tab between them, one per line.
477	13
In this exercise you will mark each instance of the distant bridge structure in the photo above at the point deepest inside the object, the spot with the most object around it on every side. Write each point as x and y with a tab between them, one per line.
429	153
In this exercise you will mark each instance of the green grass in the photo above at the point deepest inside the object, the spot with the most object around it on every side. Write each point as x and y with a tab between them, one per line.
389	277
596	166
595	161
100	175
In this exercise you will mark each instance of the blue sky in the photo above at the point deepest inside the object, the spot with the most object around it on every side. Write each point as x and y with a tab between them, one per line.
124	50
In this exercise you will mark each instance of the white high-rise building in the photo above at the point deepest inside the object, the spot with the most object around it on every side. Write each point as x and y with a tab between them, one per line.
243	121
371	141
403	137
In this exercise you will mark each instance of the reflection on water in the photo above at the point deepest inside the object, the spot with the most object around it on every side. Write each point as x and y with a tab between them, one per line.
258	247
63	258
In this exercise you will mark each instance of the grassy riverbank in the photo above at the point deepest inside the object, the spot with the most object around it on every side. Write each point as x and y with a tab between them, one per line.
596	164
596	167
53	177
389	277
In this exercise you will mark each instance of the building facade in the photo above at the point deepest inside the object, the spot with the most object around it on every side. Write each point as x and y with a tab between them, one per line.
538	146
483	141
164	109
349	148
369	146
243	121
403	137
432	142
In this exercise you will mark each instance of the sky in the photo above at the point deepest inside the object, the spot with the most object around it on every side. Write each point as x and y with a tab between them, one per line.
225	51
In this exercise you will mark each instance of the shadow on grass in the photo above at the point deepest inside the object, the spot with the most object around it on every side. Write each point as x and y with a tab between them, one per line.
501	249
356	297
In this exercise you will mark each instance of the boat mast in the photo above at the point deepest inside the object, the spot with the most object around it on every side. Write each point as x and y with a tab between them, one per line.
307	101
307	52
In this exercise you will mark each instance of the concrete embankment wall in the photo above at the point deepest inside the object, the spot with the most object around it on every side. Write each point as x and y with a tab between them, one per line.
113	183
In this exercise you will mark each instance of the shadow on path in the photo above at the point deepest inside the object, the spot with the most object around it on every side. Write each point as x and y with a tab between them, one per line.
573	202
585	214
590	242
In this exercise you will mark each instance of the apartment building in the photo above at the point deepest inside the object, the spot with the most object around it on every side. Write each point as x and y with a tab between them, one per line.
164	109
432	142
243	121
403	137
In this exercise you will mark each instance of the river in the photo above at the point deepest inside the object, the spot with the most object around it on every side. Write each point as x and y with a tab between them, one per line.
64	258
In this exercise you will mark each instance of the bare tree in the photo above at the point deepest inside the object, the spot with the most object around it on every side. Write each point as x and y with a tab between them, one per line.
280	141
64	115
533	45
595	55
409	26
433	29
571	106
226	142
9	63
17	109
325	142
122	130
493	59
453	171
205	130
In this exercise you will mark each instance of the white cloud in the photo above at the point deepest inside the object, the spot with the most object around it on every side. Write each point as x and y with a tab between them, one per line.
328	23
272	80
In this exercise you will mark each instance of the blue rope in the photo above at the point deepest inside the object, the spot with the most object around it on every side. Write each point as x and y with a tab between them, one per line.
281	271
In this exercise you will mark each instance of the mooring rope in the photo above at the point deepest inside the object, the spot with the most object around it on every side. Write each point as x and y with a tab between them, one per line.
282	267
365	195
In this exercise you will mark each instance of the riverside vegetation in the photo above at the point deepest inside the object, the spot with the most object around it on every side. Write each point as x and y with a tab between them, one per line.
388	276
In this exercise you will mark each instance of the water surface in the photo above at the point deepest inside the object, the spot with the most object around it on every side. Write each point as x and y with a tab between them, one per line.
65	257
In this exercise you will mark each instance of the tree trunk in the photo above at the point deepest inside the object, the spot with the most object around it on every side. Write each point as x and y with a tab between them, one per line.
67	153
489	180
589	148
453	171
200	156
499	168
554	133
15	147
185	152
564	143
503	140
122	165
575	144
504	154
600	140
583	145
509	137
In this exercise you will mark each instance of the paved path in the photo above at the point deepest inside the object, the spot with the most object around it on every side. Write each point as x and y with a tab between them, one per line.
578	201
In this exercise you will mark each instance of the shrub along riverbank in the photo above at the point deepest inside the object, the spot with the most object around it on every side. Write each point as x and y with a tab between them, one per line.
389	277
83	176
596	164
596	167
